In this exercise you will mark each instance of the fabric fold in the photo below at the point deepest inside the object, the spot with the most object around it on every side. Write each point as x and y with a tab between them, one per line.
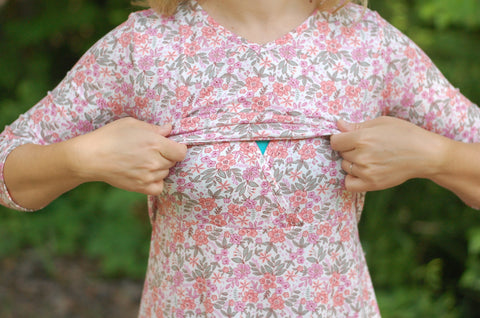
251	126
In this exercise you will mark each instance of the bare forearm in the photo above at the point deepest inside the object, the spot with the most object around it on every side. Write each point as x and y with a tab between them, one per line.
459	171
128	154
384	152
35	175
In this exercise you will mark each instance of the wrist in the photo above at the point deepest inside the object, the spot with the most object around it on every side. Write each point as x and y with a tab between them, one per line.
440	150
77	156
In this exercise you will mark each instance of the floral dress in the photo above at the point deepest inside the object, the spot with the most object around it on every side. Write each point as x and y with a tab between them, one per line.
238	233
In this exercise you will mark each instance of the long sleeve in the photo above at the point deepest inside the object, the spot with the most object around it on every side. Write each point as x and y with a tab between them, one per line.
415	90
97	90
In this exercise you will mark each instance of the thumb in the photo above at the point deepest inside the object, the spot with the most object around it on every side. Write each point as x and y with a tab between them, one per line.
163	130
345	126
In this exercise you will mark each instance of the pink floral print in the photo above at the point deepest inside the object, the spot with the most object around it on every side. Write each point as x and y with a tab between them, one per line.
237	233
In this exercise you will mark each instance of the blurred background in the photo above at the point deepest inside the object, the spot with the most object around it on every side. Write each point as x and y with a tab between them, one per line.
85	255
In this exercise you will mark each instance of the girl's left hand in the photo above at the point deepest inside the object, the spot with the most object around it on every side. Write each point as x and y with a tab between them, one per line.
385	152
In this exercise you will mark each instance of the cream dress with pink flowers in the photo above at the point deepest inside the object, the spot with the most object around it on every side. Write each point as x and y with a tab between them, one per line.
238	233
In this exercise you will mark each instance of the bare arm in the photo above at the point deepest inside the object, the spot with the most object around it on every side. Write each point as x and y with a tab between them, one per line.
384	152
35	175
423	109
128	154
459	171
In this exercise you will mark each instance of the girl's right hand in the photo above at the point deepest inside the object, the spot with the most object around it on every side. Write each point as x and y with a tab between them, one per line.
129	154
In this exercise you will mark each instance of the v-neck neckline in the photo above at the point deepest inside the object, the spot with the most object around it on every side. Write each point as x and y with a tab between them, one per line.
286	38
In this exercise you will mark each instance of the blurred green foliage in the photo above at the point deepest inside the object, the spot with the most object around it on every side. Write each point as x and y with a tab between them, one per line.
41	40
421	242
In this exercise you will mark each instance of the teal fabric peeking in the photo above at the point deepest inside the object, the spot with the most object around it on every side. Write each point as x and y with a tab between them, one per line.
262	144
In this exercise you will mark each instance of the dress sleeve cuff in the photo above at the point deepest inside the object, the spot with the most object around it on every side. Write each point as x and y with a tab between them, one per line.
5	197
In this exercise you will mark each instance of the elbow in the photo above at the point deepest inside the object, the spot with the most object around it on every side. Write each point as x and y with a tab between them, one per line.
473	199
14	206
7	200
473	205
